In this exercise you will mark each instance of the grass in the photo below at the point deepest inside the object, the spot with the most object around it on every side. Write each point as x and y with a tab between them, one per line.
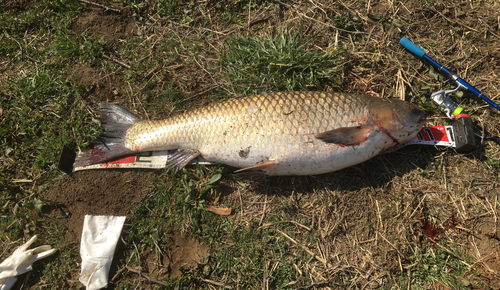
42	98
178	203
286	232
280	62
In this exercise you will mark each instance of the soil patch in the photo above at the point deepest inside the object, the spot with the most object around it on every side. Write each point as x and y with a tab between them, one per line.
110	192
86	75
487	269
16	5
485	240
183	253
102	86
108	25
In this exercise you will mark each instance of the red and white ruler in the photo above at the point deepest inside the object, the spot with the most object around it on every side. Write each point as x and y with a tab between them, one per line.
150	159
435	136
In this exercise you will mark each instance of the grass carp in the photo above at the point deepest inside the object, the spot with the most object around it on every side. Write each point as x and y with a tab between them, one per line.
282	133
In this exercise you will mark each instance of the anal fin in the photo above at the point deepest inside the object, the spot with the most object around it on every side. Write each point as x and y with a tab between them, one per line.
347	136
258	166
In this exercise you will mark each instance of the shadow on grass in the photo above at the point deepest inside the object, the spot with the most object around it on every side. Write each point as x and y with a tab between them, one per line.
373	173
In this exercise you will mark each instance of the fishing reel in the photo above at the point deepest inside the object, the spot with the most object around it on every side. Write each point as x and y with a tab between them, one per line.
463	128
446	105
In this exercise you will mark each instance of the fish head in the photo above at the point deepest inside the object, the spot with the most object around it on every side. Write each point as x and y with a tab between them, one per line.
401	119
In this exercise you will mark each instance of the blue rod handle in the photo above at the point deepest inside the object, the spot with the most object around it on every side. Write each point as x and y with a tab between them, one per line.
412	47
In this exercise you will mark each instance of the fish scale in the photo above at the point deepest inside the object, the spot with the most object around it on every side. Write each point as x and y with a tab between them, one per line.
218	130
289	133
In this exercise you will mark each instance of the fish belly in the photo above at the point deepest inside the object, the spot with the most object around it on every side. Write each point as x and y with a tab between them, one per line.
299	158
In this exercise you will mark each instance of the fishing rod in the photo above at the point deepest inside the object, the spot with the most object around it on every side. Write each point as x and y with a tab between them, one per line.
450	108
462	126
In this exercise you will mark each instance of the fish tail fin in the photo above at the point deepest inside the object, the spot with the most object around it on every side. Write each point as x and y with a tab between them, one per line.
115	121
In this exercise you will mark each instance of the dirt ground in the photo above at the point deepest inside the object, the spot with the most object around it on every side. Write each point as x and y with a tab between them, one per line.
112	192
465	199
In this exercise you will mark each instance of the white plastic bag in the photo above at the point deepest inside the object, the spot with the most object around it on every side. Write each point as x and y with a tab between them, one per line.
99	238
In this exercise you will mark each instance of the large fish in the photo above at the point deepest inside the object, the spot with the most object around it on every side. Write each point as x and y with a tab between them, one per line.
293	133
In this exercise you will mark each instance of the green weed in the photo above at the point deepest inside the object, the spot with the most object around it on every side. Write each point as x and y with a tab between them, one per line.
39	101
43	17
59	270
279	62
41	110
438	266
78	46
347	22
177	203
231	17
197	11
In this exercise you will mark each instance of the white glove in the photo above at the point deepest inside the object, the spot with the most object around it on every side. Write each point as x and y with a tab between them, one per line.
20	262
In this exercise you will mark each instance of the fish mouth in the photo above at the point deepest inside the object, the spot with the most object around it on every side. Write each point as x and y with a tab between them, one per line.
410	116
407	120
422	120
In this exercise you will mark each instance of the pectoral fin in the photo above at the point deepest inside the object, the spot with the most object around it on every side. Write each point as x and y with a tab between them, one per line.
347	136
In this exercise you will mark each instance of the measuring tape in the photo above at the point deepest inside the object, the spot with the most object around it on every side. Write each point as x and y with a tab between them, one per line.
434	136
